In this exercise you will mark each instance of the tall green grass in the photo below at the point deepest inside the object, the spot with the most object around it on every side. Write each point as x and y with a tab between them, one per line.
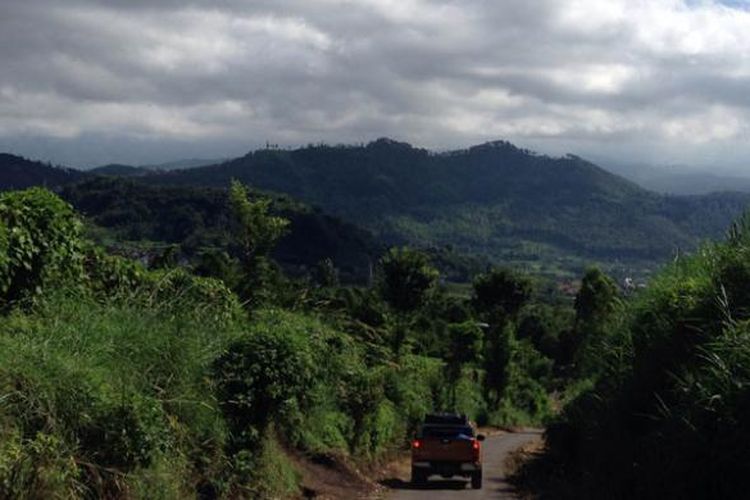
121	391
670	415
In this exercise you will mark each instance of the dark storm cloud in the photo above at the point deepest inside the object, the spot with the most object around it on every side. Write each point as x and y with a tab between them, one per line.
659	75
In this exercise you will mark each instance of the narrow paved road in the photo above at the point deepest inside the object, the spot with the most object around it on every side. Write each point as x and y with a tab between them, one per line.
496	450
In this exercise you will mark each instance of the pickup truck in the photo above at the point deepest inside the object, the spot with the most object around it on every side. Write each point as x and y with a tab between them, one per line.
447	445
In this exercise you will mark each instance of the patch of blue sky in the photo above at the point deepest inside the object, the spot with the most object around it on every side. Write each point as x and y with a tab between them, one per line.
735	4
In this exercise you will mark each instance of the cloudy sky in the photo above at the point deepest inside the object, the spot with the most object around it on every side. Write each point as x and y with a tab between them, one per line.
656	81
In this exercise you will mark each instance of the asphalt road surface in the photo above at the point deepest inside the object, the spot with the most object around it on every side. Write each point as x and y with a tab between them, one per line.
495	452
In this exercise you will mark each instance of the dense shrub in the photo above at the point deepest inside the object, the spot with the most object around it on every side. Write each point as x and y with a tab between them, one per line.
40	244
260	374
668	416
348	403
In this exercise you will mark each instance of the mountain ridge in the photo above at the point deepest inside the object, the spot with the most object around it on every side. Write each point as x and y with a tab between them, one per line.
494	199
17	172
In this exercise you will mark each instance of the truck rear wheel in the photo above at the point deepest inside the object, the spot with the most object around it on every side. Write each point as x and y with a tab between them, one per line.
476	480
418	477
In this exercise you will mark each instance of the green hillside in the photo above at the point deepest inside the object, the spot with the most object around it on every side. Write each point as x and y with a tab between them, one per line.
549	216
19	173
197	219
511	205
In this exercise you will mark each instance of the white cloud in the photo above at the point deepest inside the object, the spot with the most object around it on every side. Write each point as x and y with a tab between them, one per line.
666	76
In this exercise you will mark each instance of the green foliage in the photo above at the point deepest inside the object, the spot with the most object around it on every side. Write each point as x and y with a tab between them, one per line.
667	416
120	381
118	387
40	244
20	173
406	279
500	292
257	230
525	400
200	221
465	346
549	329
260	375
596	305
326	273
362	393
352	404
110	273
498	348
263	472
214	263
194	296
39	467
176	289
516	374
597	299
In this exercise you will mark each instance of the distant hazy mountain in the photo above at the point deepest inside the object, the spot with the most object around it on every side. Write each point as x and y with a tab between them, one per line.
697	183
680	180
118	170
493	199
19	173
184	164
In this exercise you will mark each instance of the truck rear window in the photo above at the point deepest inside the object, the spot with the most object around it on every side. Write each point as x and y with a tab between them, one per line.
447	432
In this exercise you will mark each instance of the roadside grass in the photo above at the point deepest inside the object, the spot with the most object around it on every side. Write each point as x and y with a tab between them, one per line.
119	393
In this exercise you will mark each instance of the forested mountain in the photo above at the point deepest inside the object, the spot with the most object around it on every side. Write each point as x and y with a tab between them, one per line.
117	170
19	173
494	199
199	218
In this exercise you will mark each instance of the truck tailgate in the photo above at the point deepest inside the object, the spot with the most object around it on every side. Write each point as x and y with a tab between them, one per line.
444	450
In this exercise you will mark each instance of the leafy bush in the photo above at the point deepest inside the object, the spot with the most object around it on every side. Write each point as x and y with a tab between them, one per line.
260	375
37	467
110	275
40	244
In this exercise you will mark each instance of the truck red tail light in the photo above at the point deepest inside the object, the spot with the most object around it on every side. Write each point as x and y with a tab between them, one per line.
476	448
416	444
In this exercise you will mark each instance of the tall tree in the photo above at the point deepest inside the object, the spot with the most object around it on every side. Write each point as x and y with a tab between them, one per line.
465	346
596	304
498	297
257	231
406	278
597	298
500	292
